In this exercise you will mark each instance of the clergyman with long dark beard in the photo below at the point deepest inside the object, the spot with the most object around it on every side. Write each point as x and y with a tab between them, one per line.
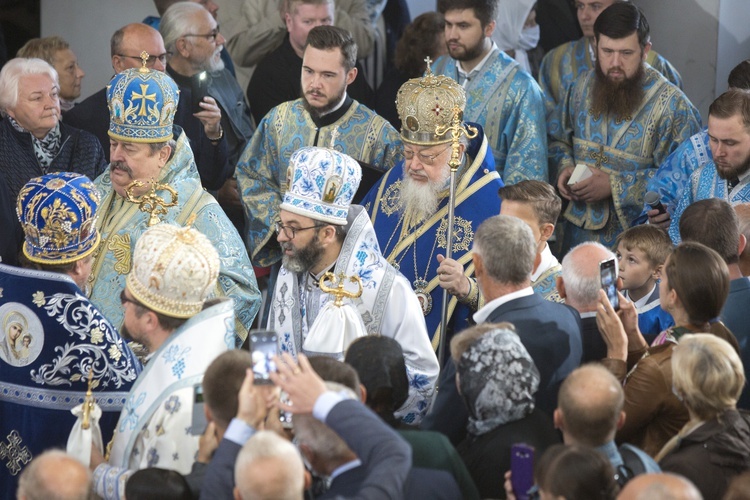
621	121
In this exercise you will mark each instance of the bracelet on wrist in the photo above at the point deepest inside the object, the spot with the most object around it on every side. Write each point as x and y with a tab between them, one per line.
221	136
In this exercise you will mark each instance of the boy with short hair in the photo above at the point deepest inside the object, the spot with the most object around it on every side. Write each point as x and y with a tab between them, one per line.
641	253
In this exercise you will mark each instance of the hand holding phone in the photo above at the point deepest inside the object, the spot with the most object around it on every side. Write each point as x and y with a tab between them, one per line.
608	277
199	90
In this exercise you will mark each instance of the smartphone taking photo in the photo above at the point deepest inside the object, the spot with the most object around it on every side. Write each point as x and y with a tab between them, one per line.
263	347
199	90
522	469
199	422
608	277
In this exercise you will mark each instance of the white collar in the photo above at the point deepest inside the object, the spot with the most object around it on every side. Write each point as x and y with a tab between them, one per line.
466	77
643	300
481	315
344	468
341	103
548	261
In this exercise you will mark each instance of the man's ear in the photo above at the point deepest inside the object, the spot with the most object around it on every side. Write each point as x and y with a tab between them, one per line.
560	284
742	244
546	231
164	154
489	28
182	47
621	420
351	75
363	393
657	271
646	50
207	412
237	495
558	420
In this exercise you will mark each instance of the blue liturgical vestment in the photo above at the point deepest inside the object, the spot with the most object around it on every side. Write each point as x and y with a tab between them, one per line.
563	65
44	377
628	150
413	249
508	104
262	169
705	183
674	174
121	223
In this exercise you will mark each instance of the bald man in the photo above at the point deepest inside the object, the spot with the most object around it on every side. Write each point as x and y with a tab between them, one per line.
589	413
579	285
660	486
54	474
92	115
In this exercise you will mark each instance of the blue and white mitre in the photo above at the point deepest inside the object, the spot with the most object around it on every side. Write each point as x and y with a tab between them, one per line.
323	183
142	103
58	215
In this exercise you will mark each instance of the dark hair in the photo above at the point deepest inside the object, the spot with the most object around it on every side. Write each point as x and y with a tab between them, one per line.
620	20
379	362
484	10
714	223
731	103
166	322
333	37
540	195
700	278
573	471
739	77
333	370
421	38
222	382
157	484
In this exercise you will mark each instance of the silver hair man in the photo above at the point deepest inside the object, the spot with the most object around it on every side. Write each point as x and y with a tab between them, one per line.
269	467
54	475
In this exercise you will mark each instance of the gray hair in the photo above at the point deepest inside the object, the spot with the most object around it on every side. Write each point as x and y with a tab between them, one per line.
11	74
287	480
507	247
581	276
177	21
42	480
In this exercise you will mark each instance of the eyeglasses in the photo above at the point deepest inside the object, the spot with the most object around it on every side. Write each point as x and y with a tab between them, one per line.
124	298
294	230
151	61
423	158
211	37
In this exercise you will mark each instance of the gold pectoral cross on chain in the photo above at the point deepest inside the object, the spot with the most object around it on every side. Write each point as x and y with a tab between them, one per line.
599	157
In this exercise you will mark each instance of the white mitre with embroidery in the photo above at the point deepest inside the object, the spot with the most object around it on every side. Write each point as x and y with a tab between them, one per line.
174	270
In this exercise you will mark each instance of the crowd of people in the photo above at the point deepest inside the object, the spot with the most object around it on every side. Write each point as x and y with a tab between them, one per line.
430	275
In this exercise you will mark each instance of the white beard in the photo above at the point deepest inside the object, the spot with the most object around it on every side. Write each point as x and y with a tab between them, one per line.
420	200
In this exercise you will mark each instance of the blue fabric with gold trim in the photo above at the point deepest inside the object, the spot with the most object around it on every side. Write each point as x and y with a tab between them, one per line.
44	377
705	183
628	150
509	105
476	200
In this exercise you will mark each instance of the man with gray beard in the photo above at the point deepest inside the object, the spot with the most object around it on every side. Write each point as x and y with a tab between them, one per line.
324	239
409	207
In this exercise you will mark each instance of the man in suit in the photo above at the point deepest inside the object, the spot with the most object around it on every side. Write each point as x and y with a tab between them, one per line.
503	255
579	285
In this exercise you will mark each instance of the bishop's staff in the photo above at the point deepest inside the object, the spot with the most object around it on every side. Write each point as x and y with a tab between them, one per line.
457	130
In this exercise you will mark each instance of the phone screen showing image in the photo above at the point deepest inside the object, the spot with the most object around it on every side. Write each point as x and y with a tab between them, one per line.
263	346
608	275
199	416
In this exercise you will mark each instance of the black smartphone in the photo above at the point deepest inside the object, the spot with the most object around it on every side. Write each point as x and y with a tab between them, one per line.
199	90
199	423
522	469
263	347
608	277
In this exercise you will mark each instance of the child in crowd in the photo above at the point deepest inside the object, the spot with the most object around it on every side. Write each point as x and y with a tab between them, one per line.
641	252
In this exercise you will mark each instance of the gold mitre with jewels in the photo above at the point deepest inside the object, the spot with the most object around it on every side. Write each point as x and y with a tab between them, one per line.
174	270
426	103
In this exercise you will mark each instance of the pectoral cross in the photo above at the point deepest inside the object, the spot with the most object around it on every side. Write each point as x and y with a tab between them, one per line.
151	202
334	136
599	157
143	96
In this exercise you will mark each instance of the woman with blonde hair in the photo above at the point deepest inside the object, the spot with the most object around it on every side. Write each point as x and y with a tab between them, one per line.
714	446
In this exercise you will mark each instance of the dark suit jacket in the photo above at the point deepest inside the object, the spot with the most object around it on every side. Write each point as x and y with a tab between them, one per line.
218	480
92	115
551	333
594	348
421	483
734	316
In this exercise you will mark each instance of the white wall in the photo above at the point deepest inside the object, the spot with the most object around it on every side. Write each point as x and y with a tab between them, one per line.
734	38
87	25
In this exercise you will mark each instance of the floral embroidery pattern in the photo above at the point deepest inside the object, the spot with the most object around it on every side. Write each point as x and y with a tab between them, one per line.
176	356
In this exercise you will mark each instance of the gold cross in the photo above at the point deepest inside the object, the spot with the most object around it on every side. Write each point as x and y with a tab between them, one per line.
143	97
428	71
334	135
457	131
600	157
144	58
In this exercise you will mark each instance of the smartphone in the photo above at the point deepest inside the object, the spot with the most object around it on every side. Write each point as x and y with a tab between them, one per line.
608	277
199	424
522	469
285	417
263	347
199	90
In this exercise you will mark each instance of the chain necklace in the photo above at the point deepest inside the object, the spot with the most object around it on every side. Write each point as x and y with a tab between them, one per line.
420	284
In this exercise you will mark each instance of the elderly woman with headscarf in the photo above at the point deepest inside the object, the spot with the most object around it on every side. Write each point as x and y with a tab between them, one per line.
497	379
33	141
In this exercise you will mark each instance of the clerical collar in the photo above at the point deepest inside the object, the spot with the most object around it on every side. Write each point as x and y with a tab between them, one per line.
732	183
463	77
314	279
335	114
